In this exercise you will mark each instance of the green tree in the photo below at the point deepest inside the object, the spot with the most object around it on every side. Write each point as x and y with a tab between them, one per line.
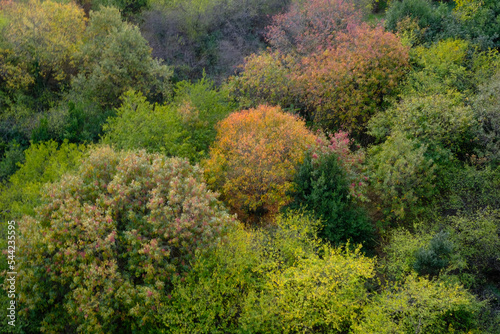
116	58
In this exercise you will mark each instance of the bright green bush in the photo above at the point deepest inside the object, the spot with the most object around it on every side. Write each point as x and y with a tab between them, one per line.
183	128
102	250
317	295
200	106
139	124
43	163
420	306
277	281
442	67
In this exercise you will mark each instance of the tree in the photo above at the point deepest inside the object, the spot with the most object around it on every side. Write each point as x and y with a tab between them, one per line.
106	243
328	183
345	85
116	58
42	39
253	160
311	26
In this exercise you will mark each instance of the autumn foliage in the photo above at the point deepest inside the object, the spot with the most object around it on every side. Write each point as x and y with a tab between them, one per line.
253	160
324	61
346	84
311	26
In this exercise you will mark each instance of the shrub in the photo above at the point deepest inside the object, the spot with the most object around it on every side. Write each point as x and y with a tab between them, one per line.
432	259
486	106
43	163
141	125
470	189
401	252
200	106
271	281
266	78
106	242
44	36
478	240
184	128
253	159
322	186
436	120
420	306
403	177
12	156
442	67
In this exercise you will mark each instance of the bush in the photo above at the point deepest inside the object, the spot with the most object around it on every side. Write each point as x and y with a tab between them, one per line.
265	79
311	26
253	159
105	244
470	189
141	125
183	128
116	58
401	252
322	187
43	163
420	306
477	236
403	177
436	120
269	282
443	67
436	256
13	155
345	85
486	106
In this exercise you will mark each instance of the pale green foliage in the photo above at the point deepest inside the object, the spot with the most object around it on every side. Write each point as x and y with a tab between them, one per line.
401	251
434	119
420	306
402	176
116	58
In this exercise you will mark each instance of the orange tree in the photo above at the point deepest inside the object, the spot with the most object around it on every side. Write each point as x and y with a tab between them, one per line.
346	84
254	158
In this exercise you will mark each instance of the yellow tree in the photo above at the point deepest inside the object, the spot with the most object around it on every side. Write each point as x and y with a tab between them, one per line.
41	38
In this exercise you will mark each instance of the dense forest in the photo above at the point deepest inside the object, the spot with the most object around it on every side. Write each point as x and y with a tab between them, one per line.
250	166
